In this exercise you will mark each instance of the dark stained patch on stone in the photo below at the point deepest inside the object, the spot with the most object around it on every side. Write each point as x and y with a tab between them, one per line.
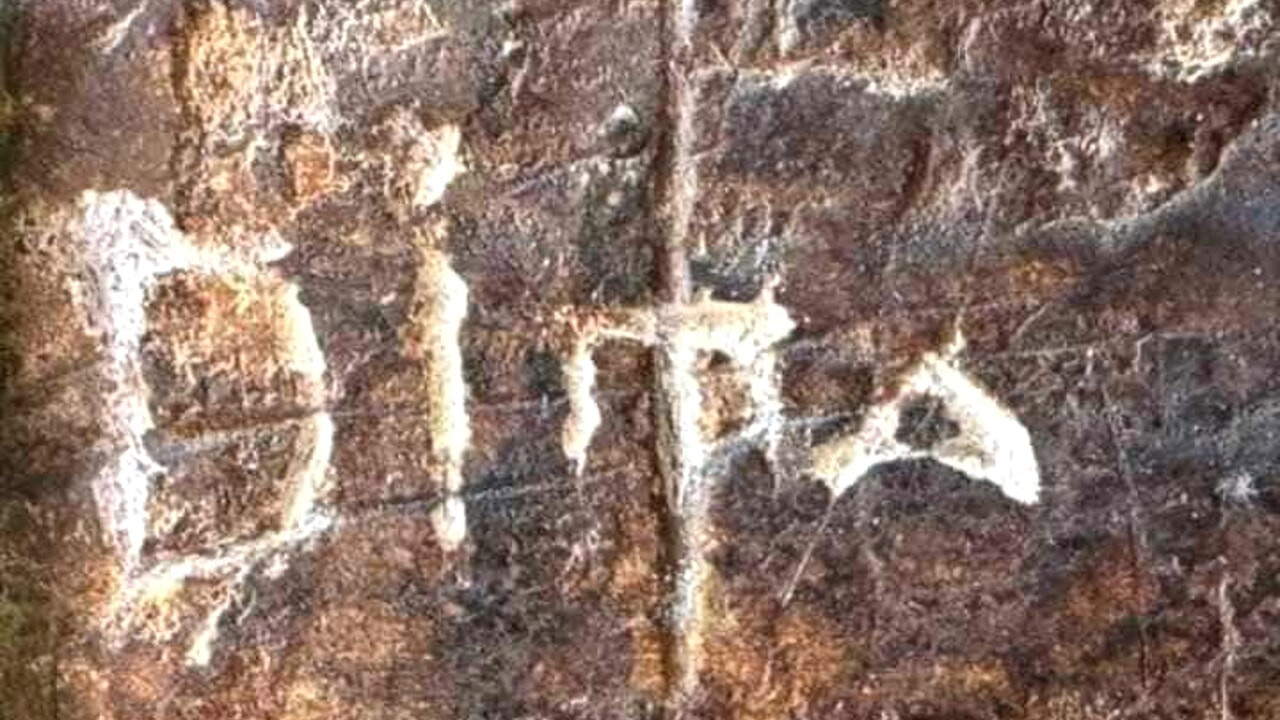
924	423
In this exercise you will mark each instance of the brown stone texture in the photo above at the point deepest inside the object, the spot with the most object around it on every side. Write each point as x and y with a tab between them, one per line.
391	359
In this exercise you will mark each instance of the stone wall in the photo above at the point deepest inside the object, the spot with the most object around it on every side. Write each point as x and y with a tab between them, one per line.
885	359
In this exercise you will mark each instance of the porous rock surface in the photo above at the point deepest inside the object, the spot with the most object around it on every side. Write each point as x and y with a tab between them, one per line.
885	359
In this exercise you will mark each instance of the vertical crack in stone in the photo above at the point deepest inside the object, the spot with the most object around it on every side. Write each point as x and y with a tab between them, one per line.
1133	522
674	403
675	182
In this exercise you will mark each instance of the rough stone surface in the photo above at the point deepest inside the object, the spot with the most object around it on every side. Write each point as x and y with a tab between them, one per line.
884	359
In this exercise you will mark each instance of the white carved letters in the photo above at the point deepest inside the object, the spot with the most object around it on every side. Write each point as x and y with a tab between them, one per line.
991	444
132	245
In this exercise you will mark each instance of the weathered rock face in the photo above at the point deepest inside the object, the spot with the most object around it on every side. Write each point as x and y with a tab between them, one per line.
734	359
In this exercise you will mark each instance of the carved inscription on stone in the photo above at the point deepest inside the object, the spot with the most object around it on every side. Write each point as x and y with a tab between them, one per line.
745	359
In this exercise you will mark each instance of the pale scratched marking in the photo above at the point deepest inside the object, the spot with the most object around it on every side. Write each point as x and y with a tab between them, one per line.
444	144
679	329
200	651
1238	488
442	301
746	333
992	443
584	414
301	520
686	22
115	34
1231	641
437	326
307	359
129	244
426	161
375	31
132	242
686	178
578	369
886	84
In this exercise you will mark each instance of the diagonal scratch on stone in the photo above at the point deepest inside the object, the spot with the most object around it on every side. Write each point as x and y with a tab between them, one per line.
115	34
1137	538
